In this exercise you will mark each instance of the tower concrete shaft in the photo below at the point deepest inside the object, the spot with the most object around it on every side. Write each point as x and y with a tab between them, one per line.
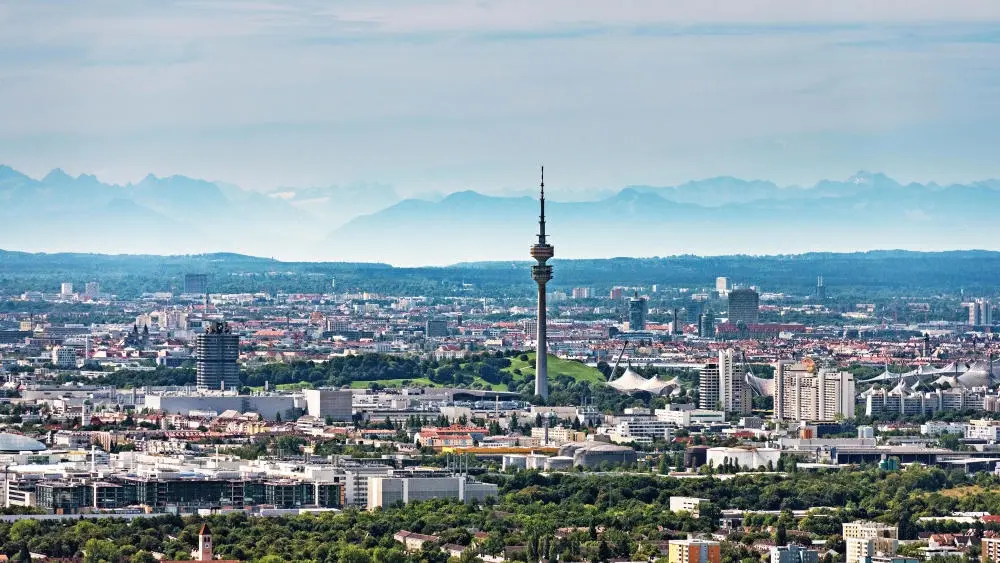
542	273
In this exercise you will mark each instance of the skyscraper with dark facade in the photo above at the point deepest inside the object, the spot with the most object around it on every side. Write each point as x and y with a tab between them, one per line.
217	352
542	273
637	313
195	283
744	306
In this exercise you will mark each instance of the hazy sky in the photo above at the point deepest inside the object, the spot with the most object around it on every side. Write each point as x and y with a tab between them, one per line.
450	94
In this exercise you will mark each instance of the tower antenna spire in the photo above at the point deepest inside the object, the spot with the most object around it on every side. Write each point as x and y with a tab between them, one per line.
541	216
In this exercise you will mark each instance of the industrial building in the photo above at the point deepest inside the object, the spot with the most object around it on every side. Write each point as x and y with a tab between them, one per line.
332	403
269	406
387	491
744	458
593	453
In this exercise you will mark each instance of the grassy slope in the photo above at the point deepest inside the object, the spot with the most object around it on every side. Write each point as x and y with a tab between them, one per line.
417	382
576	370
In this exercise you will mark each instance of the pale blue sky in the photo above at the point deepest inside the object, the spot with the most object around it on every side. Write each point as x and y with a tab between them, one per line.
446	95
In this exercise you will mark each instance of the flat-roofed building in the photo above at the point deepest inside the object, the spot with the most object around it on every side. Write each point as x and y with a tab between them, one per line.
694	551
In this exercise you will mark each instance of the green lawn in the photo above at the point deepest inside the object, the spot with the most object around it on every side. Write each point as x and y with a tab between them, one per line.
415	382
576	370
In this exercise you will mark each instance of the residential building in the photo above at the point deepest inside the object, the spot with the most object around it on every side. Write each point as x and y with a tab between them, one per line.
800	395
694	551
867	540
721	386
980	312
92	290
990	550
691	505
793	554
722	286
983	429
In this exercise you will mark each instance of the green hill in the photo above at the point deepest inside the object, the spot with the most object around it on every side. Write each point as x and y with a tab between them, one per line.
577	370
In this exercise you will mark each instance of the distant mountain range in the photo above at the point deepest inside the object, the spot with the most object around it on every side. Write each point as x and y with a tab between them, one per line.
370	222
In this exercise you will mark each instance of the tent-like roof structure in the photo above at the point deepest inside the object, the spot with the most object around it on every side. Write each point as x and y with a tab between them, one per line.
659	386
629	382
954	374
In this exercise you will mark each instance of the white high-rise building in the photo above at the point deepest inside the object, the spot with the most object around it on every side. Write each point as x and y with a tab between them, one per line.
812	397
721	386
722	286
866	539
980	312
66	289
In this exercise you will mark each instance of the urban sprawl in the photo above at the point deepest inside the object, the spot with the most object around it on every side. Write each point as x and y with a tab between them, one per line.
201	405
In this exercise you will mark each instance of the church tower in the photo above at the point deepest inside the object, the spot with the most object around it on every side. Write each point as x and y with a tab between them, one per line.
205	544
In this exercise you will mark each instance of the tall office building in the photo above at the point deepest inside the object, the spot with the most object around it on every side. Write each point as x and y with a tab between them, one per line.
66	289
436	328
195	283
820	289
637	308
582	293
92	289
866	539
706	324
217	351
744	306
803	396
721	386
542	273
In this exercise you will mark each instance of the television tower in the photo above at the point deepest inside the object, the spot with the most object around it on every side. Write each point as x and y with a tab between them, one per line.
542	273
